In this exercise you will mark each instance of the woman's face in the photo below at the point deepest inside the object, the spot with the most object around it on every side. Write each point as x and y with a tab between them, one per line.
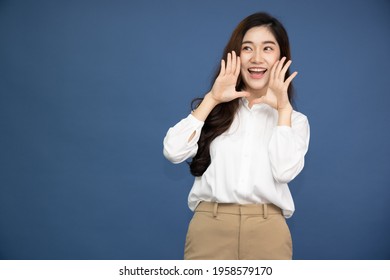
259	52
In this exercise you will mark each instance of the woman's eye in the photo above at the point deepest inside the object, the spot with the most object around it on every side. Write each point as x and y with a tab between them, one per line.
246	48
268	49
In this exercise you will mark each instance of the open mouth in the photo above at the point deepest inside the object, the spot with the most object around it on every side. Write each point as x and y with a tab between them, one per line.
257	71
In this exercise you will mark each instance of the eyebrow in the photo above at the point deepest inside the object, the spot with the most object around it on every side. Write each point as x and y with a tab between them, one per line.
264	42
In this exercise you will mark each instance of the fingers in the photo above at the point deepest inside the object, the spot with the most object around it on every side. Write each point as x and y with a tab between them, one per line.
283	71
289	79
238	67
232	65
279	70
234	62
222	72
243	94
229	63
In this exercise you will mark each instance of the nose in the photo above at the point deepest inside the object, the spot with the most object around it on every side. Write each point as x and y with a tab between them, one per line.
256	57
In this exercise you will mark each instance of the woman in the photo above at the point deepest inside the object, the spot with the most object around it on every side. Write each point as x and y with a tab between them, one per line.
246	143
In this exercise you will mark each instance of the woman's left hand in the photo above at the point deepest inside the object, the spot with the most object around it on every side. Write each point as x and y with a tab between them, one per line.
277	96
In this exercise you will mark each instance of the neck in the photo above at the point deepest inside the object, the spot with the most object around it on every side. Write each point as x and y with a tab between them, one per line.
254	94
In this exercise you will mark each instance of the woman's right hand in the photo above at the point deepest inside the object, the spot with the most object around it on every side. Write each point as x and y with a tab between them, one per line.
224	88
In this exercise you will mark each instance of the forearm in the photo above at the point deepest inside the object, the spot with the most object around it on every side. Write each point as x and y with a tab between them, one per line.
205	107
287	148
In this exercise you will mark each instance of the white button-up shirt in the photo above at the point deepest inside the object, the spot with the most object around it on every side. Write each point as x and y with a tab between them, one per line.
251	162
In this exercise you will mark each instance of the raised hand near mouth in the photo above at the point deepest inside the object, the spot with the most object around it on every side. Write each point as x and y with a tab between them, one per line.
276	95
224	88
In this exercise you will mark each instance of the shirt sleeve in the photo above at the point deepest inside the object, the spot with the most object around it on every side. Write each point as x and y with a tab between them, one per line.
180	142
287	149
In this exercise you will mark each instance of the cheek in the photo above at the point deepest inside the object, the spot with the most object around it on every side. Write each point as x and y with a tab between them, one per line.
273	58
277	56
244	58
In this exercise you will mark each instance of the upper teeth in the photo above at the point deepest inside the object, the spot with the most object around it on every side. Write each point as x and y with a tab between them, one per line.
257	69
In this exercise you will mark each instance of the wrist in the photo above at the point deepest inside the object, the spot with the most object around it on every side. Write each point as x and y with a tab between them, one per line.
209	98
287	109
284	118
205	107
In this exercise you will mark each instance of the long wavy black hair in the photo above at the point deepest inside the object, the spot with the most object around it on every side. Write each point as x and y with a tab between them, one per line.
221	117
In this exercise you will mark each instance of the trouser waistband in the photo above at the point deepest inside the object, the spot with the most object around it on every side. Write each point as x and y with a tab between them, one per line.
238	209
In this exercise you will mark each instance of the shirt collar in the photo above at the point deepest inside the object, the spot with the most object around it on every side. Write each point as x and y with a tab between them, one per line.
255	107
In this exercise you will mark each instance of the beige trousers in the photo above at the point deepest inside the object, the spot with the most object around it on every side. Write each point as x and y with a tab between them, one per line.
238	232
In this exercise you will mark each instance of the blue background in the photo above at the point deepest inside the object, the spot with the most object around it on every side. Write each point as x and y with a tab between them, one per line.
88	90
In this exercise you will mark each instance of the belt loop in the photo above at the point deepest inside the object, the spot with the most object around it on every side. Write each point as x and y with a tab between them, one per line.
265	211
215	210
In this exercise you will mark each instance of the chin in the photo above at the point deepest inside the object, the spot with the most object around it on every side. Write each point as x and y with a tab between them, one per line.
256	87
